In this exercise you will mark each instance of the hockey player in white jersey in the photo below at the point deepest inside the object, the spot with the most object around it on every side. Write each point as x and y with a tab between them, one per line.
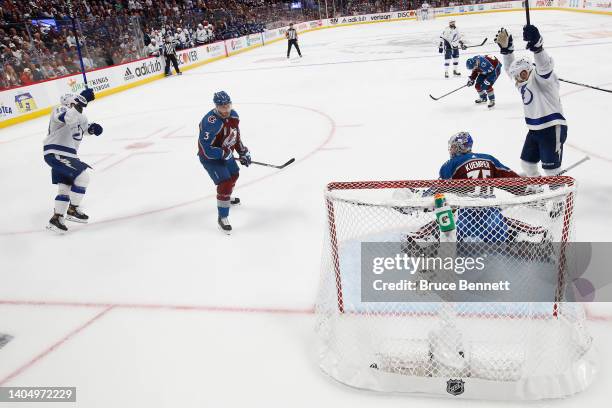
66	129
539	88
450	42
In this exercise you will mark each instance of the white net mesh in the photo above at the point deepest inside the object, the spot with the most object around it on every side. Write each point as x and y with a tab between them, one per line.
492	349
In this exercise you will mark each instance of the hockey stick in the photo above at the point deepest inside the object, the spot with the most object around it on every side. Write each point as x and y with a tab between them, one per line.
78	44
282	166
585	85
578	163
527	12
477	45
453	91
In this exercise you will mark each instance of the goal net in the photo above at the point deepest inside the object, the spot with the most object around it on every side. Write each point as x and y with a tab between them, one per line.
488	346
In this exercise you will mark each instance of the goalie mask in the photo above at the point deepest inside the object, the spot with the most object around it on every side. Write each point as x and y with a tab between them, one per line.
460	143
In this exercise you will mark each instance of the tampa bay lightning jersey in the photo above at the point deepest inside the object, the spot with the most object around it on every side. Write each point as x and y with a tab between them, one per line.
540	93
66	129
217	134
451	38
474	166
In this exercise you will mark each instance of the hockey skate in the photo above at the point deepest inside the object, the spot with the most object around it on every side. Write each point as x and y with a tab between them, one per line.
491	104
224	225
235	201
456	73
480	100
446	74
76	215
56	224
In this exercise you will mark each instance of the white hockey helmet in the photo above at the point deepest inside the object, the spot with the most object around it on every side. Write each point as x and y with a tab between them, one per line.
74	99
518	66
66	99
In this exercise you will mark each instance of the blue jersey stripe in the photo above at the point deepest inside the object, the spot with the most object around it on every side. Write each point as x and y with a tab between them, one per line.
60	148
544	119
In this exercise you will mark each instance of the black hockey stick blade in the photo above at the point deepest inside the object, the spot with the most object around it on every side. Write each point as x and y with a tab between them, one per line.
478	45
282	166
446	94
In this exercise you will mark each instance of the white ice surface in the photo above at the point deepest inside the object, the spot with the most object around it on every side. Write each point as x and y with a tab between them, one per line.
208	320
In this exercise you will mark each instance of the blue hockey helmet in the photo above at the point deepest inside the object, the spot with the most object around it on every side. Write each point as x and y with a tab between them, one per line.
222	98
470	63
460	143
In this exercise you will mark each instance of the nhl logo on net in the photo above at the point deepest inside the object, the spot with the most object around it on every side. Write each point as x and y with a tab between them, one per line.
455	387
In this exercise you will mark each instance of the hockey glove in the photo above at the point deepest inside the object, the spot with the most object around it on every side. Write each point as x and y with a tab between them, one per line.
531	34
504	40
245	159
94	129
470	82
88	94
463	46
440	49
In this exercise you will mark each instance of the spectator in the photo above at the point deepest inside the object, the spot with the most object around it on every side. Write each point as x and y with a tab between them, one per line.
26	77
37	73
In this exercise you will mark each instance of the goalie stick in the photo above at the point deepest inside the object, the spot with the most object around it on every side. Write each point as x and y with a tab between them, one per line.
282	166
446	94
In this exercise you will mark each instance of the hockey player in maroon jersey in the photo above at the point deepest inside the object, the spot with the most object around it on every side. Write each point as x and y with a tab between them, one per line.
485	71
464	164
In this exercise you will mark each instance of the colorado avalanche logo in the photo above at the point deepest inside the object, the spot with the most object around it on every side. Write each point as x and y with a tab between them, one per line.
527	95
212	119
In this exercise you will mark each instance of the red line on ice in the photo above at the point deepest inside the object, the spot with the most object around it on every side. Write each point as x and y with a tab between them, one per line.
153	306
54	346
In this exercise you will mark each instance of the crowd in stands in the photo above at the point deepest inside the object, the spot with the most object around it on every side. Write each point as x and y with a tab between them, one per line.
37	39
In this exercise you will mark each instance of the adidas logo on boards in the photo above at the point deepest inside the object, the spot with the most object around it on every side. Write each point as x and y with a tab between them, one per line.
128	74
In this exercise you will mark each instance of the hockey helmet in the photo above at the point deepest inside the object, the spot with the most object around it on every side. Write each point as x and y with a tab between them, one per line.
66	99
221	98
518	66
470	63
460	143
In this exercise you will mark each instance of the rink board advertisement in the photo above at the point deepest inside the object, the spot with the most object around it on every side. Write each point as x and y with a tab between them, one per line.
26	102
39	98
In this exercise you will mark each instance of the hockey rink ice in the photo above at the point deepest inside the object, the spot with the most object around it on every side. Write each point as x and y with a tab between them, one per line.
150	305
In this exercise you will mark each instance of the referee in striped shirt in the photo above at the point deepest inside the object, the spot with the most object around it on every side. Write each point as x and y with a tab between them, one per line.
170	54
292	36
